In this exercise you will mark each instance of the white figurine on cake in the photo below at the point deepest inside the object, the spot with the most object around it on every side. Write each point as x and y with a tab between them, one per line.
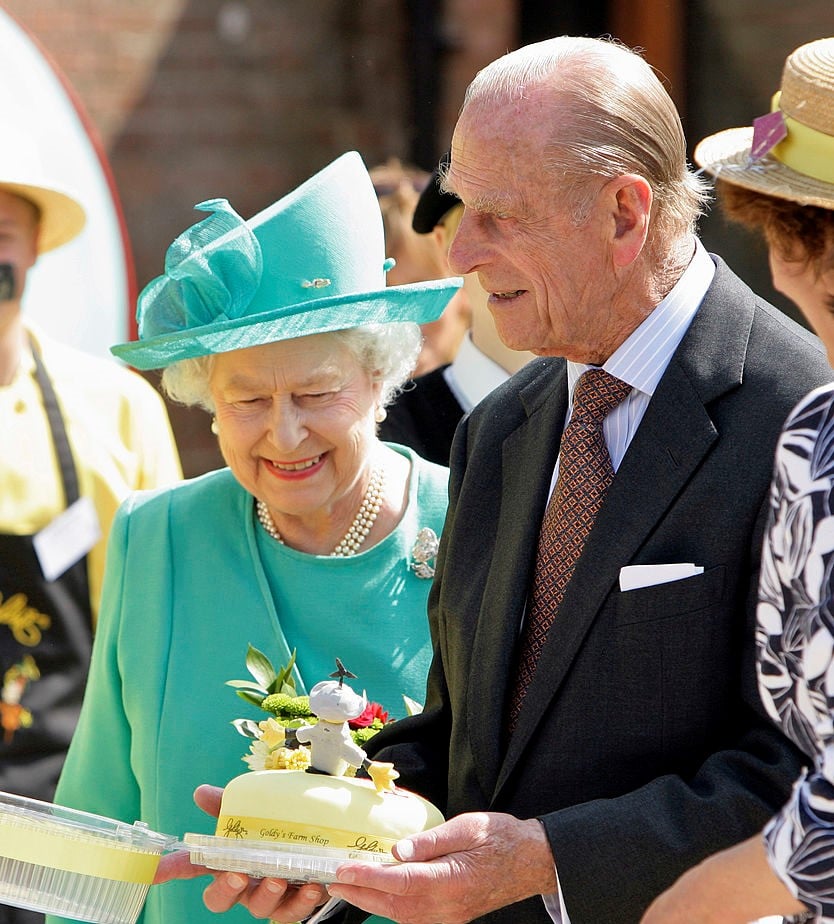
332	749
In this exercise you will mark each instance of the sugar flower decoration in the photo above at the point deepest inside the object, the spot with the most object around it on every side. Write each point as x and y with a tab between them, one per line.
273	742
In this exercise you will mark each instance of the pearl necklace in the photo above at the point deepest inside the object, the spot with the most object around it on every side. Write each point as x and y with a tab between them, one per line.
359	528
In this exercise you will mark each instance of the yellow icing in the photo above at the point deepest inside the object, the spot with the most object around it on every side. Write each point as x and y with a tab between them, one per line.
291	806
268	829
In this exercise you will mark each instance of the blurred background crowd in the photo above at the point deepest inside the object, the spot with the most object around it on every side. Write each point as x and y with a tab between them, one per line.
192	99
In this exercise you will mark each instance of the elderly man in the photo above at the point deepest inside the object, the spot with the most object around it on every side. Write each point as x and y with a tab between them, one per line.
592	726
79	433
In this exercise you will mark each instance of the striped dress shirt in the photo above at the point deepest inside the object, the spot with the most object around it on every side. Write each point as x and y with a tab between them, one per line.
642	359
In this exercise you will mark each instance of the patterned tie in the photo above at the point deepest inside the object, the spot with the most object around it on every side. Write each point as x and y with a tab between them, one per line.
585	472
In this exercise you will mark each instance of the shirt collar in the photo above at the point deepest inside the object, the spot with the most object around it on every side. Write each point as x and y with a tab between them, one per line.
472	375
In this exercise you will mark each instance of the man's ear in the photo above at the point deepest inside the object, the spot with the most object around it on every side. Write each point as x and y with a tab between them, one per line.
629	198
442	238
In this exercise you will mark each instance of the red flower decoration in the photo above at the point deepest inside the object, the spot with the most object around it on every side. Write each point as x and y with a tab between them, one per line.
373	711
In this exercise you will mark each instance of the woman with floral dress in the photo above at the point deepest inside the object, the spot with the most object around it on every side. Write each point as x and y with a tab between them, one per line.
778	178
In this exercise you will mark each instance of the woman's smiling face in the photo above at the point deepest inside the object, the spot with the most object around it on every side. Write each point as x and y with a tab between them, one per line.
296	425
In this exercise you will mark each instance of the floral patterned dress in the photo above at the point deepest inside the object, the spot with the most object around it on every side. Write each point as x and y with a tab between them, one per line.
795	643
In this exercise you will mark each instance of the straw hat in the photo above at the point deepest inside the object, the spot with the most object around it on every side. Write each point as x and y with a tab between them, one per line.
312	262
790	152
62	217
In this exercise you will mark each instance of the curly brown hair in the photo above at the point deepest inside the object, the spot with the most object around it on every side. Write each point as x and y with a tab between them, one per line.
802	233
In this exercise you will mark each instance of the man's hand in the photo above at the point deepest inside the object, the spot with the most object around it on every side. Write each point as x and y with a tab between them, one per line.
271	899
455	872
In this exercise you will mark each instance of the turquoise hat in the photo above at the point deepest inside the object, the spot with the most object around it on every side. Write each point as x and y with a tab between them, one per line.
312	262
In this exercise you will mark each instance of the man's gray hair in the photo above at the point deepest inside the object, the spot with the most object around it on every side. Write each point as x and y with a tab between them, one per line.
611	116
387	352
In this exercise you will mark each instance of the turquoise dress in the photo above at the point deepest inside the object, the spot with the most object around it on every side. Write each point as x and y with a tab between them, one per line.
191	580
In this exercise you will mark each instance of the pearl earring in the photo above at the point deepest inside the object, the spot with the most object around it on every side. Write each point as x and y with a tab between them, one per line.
214	428
380	414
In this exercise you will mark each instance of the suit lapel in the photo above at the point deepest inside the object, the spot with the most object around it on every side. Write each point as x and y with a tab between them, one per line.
527	460
672	440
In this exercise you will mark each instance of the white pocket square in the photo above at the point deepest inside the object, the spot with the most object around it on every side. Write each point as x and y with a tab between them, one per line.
632	577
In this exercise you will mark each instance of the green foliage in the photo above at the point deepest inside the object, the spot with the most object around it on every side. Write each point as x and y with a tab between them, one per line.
412	707
247	728
274	692
267	680
299	723
282	705
361	736
298	707
276	703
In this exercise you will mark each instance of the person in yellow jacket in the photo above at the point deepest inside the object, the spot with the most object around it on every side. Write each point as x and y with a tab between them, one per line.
79	434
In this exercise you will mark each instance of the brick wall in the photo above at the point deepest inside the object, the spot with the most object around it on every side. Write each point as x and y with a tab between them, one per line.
236	98
246	98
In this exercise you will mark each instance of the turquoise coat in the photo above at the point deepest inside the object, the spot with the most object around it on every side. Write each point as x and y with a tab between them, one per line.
191	580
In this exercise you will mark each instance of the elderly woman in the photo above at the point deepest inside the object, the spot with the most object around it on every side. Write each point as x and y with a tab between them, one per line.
786	192
282	327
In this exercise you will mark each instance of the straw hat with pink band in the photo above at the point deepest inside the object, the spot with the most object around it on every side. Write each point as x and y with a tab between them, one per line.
788	153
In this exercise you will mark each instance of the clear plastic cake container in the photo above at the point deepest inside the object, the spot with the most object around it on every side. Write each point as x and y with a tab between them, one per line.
269	858
77	865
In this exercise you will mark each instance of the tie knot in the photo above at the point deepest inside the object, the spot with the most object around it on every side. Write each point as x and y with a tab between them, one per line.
597	393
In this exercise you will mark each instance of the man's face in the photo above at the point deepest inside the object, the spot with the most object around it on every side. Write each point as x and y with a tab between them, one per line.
18	236
549	280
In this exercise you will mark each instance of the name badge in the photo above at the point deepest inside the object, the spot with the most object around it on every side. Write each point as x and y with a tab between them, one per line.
67	539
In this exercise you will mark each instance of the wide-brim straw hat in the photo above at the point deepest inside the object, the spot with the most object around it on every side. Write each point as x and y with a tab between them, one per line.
312	262
800	167
62	216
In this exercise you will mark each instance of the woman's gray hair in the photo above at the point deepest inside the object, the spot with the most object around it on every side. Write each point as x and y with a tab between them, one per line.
612	116
387	352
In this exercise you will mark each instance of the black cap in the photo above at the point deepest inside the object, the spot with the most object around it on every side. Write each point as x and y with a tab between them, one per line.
433	204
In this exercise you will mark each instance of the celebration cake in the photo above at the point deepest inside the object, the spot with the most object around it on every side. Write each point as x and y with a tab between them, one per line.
298	815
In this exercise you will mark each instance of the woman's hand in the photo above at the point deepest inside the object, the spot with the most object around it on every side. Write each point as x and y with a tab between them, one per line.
273	899
735	886
178	865
267	899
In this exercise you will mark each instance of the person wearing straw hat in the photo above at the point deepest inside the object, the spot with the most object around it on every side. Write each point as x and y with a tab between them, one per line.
79	434
283	328
777	178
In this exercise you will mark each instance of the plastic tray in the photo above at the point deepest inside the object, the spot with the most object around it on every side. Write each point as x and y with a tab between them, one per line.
78	865
269	858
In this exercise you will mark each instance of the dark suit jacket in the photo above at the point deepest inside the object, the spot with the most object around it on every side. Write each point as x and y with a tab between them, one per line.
642	744
424	417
